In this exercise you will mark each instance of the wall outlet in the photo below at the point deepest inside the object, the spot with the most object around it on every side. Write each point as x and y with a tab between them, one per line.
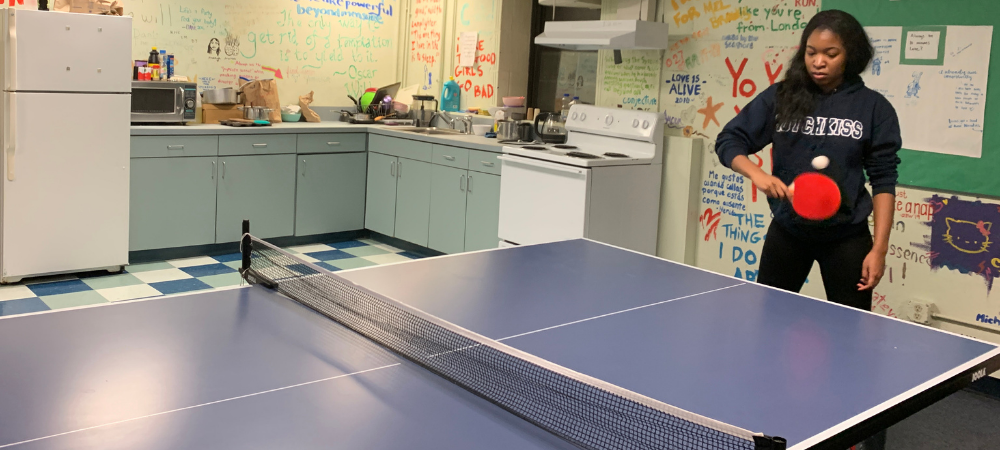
920	311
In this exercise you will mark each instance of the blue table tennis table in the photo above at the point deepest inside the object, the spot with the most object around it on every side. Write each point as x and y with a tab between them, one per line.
248	368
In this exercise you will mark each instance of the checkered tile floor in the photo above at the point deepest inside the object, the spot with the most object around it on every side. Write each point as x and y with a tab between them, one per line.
176	276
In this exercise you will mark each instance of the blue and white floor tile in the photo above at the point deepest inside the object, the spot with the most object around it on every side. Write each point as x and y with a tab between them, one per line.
178	276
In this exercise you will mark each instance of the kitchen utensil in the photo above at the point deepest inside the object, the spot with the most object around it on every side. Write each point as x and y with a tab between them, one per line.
362	117
549	129
507	130
422	111
367	98
525	132
256	112
345	116
481	130
224	96
513	101
290	117
357	105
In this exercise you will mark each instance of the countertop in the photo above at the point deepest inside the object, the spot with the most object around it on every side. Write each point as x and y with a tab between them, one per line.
465	141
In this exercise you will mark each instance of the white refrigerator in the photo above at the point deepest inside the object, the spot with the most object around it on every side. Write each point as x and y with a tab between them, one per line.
65	133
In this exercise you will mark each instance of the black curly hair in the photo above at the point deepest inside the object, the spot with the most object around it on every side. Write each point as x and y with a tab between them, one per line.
798	94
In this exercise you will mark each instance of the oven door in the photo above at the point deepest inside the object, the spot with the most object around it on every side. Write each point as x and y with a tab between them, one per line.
151	103
542	201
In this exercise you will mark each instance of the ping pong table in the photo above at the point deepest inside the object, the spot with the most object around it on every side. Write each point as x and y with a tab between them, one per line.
249	368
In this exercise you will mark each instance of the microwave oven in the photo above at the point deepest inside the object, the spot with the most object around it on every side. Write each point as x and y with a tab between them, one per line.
163	102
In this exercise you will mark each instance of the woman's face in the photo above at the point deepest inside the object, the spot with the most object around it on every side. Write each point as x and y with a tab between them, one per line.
213	44
825	59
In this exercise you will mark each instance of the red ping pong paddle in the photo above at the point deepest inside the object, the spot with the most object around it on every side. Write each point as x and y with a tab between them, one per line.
816	196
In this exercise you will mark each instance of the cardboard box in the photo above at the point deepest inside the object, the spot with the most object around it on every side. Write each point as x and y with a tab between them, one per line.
217	113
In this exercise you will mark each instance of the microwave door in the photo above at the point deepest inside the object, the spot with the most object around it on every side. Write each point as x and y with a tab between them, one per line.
155	104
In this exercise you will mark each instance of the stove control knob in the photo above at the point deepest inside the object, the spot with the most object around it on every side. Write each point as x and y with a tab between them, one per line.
635	123
645	124
609	119
574	116
583	116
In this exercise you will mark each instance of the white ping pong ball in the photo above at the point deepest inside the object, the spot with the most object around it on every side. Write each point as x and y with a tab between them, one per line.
820	162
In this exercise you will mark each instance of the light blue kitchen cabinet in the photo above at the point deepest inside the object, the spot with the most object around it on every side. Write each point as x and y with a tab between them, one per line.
380	198
260	188
330	193
172	202
482	216
413	200
446	232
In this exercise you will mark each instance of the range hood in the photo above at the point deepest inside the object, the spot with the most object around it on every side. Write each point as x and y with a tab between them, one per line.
605	35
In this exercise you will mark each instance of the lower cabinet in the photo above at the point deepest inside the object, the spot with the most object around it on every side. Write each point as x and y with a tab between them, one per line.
448	209
413	200
260	188
330	193
380	198
482	211
172	202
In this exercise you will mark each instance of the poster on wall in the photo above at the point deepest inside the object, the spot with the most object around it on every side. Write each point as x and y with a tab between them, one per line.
935	77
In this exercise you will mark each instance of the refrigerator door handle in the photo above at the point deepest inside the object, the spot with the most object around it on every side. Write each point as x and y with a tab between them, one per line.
11	138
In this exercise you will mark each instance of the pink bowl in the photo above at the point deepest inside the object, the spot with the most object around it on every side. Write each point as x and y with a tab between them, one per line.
513	101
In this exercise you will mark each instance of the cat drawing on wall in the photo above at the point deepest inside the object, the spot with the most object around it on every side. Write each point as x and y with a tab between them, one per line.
913	89
968	237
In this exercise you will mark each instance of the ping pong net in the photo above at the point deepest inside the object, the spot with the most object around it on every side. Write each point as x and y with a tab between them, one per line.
583	410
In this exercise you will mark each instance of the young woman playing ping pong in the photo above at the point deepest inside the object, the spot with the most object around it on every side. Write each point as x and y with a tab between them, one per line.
823	109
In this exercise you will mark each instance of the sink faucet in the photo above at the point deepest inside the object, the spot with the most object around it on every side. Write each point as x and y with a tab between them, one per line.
466	120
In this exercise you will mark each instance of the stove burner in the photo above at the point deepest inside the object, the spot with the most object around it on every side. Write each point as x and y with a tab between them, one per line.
615	155
533	147
565	147
582	155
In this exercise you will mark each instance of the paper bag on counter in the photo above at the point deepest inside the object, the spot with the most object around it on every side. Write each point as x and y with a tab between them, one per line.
104	7
308	113
263	93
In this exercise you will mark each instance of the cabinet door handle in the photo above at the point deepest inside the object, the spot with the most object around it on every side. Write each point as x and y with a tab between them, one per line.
487	163
260	146
449	158
392	169
469	187
303	168
399	169
332	143
175	147
461	183
223	170
214	169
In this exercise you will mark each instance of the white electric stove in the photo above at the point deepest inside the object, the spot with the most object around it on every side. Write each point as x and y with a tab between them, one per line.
603	183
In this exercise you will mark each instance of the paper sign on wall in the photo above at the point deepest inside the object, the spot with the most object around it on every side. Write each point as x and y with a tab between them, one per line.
936	81
467	42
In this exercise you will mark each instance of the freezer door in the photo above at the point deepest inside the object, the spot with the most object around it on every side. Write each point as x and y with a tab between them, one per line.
542	201
65	183
65	52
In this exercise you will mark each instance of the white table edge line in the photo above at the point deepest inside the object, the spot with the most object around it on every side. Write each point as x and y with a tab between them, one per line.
239	397
242	285
830	432
800	295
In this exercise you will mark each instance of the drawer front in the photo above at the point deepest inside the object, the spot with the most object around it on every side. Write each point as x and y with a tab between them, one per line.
406	148
451	156
486	162
258	144
168	146
331	143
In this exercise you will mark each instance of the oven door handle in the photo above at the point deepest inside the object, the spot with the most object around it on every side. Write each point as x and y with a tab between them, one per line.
516	160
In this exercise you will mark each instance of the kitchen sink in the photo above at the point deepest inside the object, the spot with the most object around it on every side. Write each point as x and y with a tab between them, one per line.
427	131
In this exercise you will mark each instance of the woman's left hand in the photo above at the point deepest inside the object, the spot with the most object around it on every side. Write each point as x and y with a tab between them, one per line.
872	270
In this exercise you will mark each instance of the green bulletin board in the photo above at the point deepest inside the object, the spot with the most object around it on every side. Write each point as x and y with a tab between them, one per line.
933	170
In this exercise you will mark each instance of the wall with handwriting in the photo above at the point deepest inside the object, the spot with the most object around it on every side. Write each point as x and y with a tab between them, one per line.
944	248
333	47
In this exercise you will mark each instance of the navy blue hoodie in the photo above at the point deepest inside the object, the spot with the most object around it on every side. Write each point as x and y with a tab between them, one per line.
854	126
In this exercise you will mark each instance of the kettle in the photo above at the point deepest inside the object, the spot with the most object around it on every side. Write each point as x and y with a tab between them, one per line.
551	129
422	110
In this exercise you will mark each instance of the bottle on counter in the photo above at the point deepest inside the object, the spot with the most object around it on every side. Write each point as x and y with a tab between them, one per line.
451	96
164	66
170	66
563	105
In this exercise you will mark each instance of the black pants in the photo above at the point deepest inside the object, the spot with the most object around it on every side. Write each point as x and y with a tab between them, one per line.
786	260
785	263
